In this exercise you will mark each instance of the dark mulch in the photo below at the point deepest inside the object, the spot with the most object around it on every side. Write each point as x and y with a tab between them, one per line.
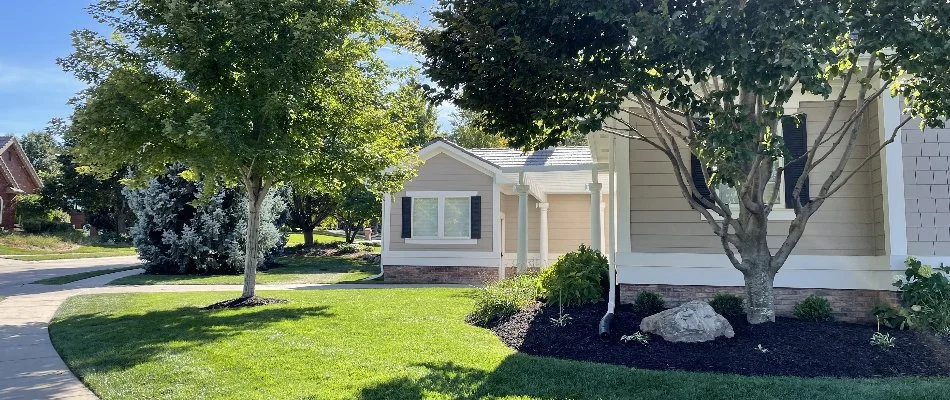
795	348
253	301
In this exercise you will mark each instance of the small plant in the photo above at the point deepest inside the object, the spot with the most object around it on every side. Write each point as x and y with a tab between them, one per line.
577	277
726	304
636	337
891	317
925	292
814	308
648	303
882	340
500	300
562	318
761	348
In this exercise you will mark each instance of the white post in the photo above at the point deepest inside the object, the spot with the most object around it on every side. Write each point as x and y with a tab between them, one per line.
595	222
543	207
892	181
522	191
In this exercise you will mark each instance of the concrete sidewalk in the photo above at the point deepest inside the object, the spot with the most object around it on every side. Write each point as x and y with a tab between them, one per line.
30	368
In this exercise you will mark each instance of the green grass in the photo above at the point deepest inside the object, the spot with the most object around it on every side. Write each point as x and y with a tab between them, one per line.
62	280
293	269
369	344
294	239
70	256
33	247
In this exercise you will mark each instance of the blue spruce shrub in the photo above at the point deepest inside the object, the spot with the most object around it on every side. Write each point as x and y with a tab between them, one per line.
177	233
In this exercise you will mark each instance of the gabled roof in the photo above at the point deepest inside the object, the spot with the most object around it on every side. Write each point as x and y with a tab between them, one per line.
550	157
9	143
514	160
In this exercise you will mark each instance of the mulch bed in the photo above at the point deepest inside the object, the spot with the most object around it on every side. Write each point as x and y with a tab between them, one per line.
795	348
253	301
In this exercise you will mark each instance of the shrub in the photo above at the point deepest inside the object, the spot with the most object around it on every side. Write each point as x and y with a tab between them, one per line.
577	277
31	207
347	248
813	308
727	304
925	292
43	226
648	303
180	230
636	337
500	300
890	316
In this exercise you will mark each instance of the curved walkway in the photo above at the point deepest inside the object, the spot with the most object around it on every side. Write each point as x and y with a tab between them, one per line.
30	368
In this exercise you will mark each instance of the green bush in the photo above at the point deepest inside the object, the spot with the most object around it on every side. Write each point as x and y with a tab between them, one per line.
577	277
500	300
925	294
814	308
31	207
42	226
890	316
726	304
648	303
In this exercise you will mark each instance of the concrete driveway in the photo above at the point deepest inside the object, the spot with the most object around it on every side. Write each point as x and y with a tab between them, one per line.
15	275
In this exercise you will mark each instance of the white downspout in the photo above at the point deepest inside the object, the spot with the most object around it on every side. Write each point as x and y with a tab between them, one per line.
612	233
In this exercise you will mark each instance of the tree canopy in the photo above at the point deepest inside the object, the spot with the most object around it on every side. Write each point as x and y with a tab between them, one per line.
254	93
712	81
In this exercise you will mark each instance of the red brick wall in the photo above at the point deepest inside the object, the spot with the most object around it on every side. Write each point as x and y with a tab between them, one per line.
849	305
425	274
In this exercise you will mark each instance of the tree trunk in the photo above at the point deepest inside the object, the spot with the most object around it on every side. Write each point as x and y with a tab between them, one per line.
308	237
256	191
759	283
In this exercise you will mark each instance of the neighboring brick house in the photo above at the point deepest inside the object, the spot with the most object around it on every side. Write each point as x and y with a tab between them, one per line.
17	176
896	205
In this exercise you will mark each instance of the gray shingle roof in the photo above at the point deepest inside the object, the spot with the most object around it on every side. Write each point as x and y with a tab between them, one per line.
550	157
4	140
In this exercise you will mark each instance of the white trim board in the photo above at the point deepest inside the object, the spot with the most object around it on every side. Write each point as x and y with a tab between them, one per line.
800	271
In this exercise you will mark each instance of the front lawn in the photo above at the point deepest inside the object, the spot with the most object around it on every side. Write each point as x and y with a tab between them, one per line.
293	269
296	239
369	344
65	245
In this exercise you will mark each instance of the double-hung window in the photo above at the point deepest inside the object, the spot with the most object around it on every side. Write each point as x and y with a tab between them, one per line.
441	216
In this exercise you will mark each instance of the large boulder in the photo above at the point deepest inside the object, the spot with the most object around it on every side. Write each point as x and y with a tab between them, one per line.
692	322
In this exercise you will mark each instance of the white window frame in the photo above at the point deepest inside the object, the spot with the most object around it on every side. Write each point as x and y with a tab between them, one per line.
440	230
779	211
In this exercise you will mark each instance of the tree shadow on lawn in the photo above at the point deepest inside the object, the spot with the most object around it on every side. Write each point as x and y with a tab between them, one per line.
102	343
521	375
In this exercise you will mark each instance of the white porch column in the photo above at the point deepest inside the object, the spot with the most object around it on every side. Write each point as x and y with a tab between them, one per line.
892	181
595	199
543	207
522	191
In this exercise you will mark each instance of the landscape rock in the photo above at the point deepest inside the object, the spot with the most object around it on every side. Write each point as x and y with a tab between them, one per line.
692	322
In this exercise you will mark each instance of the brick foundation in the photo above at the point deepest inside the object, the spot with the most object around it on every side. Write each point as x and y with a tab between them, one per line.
849	305
424	274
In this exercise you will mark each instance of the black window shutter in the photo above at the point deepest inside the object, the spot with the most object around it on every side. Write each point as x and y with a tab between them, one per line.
699	179
476	226
407	217
795	135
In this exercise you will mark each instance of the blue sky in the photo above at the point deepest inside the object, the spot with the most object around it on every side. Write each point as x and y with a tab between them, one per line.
33	89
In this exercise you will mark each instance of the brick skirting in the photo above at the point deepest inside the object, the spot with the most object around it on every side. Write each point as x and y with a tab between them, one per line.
464	275
425	274
849	305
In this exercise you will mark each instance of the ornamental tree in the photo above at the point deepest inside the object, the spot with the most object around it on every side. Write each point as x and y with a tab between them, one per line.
711	80
252	93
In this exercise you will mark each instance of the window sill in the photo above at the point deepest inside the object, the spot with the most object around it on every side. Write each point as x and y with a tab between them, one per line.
440	241
777	214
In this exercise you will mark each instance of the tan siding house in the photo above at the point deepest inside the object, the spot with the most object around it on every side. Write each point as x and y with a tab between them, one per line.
620	196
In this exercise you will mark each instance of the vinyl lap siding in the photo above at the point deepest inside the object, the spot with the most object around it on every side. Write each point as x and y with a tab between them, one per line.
444	173
663	222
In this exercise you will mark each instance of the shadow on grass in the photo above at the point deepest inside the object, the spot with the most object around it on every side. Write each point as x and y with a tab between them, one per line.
102	343
521	375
